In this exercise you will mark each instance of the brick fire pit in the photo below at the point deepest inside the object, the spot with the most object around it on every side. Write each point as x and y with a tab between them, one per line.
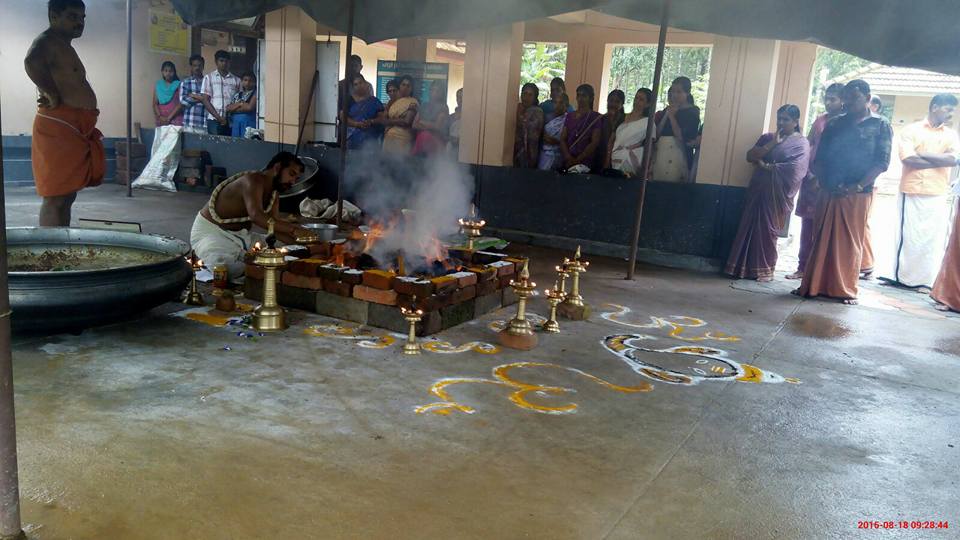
315	283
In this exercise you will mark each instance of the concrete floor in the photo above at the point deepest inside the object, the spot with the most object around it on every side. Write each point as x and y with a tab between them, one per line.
152	429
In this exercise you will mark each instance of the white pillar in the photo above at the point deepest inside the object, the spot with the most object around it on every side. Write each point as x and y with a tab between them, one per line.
794	79
739	107
291	39
491	90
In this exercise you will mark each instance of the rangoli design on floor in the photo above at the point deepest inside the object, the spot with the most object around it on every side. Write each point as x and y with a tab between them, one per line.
678	325
358	334
521	390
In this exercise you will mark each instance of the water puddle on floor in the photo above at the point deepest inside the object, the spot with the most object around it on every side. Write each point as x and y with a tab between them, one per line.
949	346
818	326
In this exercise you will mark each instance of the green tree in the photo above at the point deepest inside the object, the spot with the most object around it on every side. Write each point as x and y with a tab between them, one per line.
829	65
542	62
631	68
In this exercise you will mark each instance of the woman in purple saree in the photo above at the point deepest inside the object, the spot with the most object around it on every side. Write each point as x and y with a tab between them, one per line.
781	161
580	139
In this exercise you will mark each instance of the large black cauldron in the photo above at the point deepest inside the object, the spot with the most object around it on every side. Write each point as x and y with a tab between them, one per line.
71	279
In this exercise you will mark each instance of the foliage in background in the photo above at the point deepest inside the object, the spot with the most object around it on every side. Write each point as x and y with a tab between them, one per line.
541	63
829	65
631	68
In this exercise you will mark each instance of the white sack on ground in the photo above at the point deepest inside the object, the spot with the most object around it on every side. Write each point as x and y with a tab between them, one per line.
164	160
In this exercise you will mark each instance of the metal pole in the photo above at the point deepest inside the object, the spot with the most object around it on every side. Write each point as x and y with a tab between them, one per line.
129	95
648	145
344	111
9	481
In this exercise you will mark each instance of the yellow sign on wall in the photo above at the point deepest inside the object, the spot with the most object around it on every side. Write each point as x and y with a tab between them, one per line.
168	33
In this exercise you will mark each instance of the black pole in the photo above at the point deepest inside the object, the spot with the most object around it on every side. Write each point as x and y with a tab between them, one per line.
344	111
129	95
9	479
648	144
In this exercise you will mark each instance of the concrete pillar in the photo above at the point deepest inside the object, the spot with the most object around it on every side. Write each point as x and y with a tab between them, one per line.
739	107
416	49
291	39
794	79
491	93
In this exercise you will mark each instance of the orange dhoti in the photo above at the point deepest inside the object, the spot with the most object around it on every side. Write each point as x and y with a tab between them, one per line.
67	151
867	262
833	268
946	289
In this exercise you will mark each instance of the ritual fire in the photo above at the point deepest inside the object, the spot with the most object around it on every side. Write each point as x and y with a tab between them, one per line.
396	262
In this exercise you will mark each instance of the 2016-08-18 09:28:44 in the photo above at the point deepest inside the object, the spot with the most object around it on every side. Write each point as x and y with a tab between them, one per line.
868	524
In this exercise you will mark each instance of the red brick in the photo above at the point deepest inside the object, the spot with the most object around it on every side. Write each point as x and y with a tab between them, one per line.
330	272
465	279
421	288
517	261
254	271
351	276
504	268
486	287
379	279
484	273
306	267
462	295
444	284
302	282
504	282
377	296
435	302
320	250
338	288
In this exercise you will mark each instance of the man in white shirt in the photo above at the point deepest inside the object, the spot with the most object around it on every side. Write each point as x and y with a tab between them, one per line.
220	85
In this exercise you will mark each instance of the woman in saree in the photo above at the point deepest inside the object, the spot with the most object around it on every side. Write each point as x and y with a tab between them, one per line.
580	139
398	119
781	160
676	126
526	145
431	122
614	116
626	146
551	157
365	108
166	97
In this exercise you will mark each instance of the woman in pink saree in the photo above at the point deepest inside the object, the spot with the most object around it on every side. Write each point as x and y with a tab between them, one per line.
781	161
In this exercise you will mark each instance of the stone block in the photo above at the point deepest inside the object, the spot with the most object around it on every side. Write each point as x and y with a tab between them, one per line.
486	287
253	271
295	297
465	279
390	318
486	303
339	288
509	297
330	272
462	295
379	279
377	296
348	309
487	257
351	276
456	314
444	284
306	267
504	268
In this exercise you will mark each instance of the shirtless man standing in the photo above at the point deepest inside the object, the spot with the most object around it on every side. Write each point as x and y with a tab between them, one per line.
221	231
67	148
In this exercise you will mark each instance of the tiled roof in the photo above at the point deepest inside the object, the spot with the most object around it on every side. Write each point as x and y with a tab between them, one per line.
903	81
